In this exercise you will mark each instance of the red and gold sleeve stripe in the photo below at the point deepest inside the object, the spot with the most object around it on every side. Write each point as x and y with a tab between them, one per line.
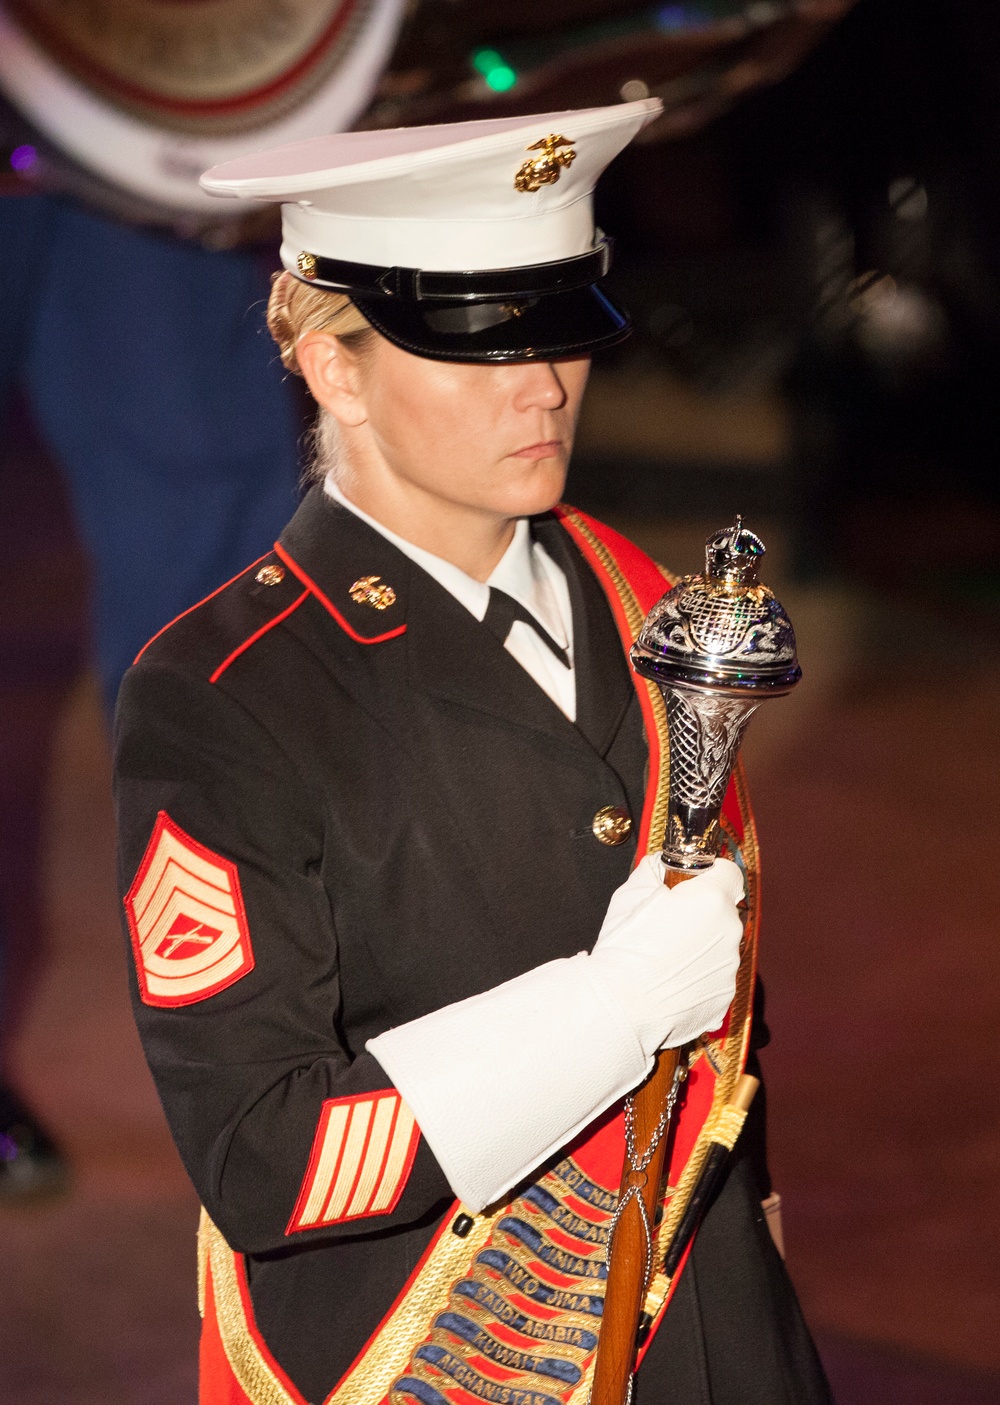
361	1159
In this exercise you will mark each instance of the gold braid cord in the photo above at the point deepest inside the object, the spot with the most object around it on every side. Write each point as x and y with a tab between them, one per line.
441	1332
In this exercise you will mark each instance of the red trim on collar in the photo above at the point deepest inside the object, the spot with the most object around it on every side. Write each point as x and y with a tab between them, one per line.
258	634
330	607
170	624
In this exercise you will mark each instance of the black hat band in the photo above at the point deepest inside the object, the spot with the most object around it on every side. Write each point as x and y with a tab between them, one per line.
485	285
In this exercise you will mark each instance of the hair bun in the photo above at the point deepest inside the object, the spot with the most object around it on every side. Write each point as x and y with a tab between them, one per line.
280	322
295	308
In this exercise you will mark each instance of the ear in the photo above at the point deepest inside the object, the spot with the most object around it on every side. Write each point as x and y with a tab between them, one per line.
333	376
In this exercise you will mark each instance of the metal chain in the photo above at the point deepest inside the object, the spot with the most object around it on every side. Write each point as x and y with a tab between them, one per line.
638	1163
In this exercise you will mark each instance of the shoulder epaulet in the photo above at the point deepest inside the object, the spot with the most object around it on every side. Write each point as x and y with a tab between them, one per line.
210	636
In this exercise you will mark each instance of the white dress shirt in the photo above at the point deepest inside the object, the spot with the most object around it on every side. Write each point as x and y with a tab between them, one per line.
527	573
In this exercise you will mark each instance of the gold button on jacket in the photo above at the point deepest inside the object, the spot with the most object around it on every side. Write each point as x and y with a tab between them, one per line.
612	825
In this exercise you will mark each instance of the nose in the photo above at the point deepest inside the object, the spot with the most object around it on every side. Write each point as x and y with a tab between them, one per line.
539	387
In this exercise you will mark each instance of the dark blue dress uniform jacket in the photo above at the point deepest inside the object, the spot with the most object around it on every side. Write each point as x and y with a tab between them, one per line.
410	817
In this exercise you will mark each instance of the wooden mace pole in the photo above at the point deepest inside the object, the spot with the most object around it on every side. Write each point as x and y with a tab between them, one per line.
632	1260
627	1273
715	645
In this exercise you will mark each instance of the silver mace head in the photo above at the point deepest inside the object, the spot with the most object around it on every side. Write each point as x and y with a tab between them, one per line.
718	645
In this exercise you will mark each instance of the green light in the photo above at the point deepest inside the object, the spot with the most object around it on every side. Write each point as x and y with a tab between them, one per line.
501	78
484	60
498	75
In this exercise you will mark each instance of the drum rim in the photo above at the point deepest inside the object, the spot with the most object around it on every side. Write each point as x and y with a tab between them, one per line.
158	164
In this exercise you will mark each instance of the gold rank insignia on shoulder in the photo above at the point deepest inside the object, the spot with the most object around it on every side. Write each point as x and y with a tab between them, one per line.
367	591
557	153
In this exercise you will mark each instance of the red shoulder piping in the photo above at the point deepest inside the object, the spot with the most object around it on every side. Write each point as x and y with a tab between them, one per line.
258	634
191	608
329	606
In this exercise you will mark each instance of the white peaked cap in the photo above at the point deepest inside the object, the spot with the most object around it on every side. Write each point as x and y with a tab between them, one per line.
439	198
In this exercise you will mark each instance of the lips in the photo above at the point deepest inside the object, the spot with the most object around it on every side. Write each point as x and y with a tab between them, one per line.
546	449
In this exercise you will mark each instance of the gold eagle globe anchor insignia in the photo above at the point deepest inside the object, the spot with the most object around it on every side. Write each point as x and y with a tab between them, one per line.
306	264
557	154
367	591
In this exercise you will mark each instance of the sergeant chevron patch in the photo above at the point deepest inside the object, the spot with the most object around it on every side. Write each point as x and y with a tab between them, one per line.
360	1161
186	918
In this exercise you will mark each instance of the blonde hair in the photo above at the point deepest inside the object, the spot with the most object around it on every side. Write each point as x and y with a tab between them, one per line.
295	308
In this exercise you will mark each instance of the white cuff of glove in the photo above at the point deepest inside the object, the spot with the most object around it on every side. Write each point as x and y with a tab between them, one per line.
499	1082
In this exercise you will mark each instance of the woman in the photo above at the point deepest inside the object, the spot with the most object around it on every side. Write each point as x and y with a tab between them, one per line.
379	800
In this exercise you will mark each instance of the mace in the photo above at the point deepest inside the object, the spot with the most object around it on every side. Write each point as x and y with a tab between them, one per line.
717	645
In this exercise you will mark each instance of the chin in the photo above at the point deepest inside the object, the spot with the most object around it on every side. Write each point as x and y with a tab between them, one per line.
536	492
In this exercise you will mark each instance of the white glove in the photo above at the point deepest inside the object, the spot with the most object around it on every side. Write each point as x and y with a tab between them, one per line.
669	956
499	1082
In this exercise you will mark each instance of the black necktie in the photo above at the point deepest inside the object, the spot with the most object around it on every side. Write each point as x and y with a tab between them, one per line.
501	613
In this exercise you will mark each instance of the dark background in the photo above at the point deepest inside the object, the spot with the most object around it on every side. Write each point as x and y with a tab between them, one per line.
814	278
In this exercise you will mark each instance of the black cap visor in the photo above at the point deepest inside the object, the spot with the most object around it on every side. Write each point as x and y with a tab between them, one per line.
543	328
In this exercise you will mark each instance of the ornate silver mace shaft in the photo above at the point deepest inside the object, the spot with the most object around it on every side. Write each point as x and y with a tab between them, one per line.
717	644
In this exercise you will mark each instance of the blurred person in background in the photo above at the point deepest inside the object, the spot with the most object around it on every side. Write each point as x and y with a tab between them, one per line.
133	328
177	475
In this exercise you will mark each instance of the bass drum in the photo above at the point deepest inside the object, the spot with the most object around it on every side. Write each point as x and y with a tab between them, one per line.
133	99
